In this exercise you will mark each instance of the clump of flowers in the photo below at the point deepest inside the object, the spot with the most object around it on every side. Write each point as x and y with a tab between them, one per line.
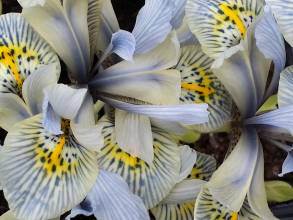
110	141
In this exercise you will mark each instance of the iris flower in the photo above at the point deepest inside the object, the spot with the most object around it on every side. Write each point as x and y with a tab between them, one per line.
148	53
243	38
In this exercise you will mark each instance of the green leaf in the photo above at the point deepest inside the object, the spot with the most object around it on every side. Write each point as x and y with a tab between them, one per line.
279	191
269	105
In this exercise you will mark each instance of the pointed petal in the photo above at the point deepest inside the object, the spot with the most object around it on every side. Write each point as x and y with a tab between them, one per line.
31	3
280	118
257	198
285	92
134	135
111	199
282	10
200	85
44	175
150	182
94	22
22	52
66	30
219	25
188	159
152	24
34	85
230	183
249	70
186	114
12	110
109	25
66	101
271	43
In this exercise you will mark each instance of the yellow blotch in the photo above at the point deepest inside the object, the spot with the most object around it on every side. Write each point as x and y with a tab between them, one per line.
205	91
233	14
9	58
234	216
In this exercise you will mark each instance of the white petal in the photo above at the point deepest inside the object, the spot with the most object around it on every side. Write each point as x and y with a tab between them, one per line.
8	216
219	25
123	44
285	92
66	30
66	101
230	183
150	182
188	159
281	118
51	121
24	50
109	25
111	199
257	198
34	85
12	110
134	135
185	191
187	114
44	175
89	137
287	166
282	10
178	12
244	72
271	43
84	208
31	3
152	24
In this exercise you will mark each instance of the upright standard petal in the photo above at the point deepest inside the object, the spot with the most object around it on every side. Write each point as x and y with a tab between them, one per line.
44	175
134	135
111	199
230	183
150	182
152	24
270	42
221	24
34	85
256	196
66	101
94	23
66	30
285	92
200	85
283	12
243	70
109	25
22	52
188	160
176	206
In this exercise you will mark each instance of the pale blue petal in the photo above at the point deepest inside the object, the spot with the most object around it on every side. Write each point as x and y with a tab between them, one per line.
285	92
287	166
270	42
111	199
153	24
